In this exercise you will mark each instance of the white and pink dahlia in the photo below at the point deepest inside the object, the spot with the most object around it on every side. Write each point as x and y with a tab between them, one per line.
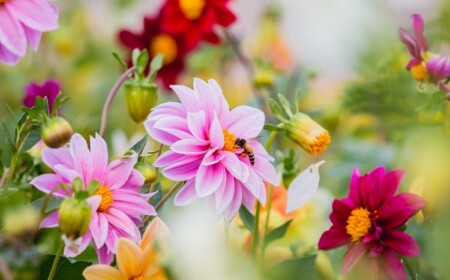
202	134
23	21
117	206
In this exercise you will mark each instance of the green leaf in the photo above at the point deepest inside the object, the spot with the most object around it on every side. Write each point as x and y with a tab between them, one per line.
155	65
66	269
272	127
297	101
120	60
276	110
8	138
285	104
135	55
142	61
293	269
52	204
247	218
140	145
93	187
30	140
276	233
59	101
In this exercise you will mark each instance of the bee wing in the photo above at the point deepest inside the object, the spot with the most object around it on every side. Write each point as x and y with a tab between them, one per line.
303	187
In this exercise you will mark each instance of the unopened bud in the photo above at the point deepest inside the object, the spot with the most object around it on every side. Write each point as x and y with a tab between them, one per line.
148	171
307	133
56	132
74	217
140	98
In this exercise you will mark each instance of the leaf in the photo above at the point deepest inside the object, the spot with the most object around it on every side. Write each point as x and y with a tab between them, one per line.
142	61
276	233
66	269
52	204
293	269
272	127
247	218
297	100
135	55
120	60
285	104
276	110
59	101
30	140
303	187
140	145
157	196
155	65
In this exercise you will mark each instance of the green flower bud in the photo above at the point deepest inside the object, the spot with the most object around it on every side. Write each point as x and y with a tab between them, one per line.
56	132
140	98
148	171
74	217
307	133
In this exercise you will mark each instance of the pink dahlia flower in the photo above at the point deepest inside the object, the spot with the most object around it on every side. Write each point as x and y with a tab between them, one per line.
117	206
49	89
202	134
369	222
23	21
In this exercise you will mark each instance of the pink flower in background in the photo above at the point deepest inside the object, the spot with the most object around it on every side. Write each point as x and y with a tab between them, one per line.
117	205
49	89
23	21
202	133
370	220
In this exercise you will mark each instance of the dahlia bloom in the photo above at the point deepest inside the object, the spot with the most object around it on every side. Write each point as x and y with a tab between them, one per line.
156	41
117	206
21	22
424	66
49	89
370	220
134	261
202	134
195	20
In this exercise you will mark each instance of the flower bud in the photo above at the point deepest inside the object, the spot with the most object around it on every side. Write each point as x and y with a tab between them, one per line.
264	77
56	132
74	217
307	133
148	171
140	98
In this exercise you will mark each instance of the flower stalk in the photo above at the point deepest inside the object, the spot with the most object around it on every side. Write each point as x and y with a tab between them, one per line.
56	260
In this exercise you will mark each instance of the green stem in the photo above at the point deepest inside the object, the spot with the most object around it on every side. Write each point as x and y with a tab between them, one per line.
270	139
11	172
255	232
56	261
266	223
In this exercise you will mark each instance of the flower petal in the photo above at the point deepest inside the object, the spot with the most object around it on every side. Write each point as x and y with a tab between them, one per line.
418	26
99	153
335	237
187	194
12	36
8	57
237	168
102	272
400	209
34	38
245	122
50	221
129	258
392	265
35	14
401	242
81	157
62	156
353	255
119	171
48	183
209	178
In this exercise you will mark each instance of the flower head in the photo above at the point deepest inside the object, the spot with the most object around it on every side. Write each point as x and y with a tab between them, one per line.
21	22
195	20
157	41
212	148
116	206
49	89
134	261
369	222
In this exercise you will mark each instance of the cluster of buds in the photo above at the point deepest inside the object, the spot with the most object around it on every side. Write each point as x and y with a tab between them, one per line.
299	127
141	93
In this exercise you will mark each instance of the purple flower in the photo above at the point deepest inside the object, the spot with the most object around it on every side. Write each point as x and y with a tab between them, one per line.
23	21
416	44
117	206
49	89
369	222
212	149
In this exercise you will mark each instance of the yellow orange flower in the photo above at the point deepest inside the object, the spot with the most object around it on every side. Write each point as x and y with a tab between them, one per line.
135	262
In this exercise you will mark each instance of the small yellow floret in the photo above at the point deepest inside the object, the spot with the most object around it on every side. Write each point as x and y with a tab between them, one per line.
229	141
358	224
165	45
420	73
107	198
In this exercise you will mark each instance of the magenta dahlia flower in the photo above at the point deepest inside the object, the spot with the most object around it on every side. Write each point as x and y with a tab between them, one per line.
49	89
212	149
370	221
424	65
117	205
23	21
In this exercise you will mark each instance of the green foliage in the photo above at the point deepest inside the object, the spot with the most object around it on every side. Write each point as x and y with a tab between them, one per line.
247	218
293	269
276	233
140	145
67	269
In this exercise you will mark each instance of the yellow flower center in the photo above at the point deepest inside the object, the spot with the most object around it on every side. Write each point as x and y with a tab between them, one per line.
107	198
166	45
192	9
229	141
321	143
358	224
420	73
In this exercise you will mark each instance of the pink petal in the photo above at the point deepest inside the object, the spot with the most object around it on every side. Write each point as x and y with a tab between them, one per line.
238	169
354	187
216	139
50	221
184	172
98	227
105	256
333	238
223	108
409	42
33	37
188	98
209	100
159	135
81	157
8	57
135	181
418	26
66	174
209	179
224	193
132	204
248	200
187	194
353	255
196	123
12	36
400	209
213	156
439	67
266	171
47	183
235	204
190	146
119	171
99	153
392	265
36	14
259	150
85	240
169	158
173	125
374	187
122	222
390	183
52	157
401	242
245	122
341	212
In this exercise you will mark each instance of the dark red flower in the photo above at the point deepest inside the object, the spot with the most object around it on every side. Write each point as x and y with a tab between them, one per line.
369	221
195	20
156	41
49	89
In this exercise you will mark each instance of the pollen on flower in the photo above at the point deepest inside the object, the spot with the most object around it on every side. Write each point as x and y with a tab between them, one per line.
420	73
107	198
192	9
358	224
229	141
166	45
321	143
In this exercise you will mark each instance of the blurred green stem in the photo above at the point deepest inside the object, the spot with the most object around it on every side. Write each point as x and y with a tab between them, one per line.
111	96
163	200
153	185
56	261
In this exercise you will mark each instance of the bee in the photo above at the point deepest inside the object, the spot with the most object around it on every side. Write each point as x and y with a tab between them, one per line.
247	150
